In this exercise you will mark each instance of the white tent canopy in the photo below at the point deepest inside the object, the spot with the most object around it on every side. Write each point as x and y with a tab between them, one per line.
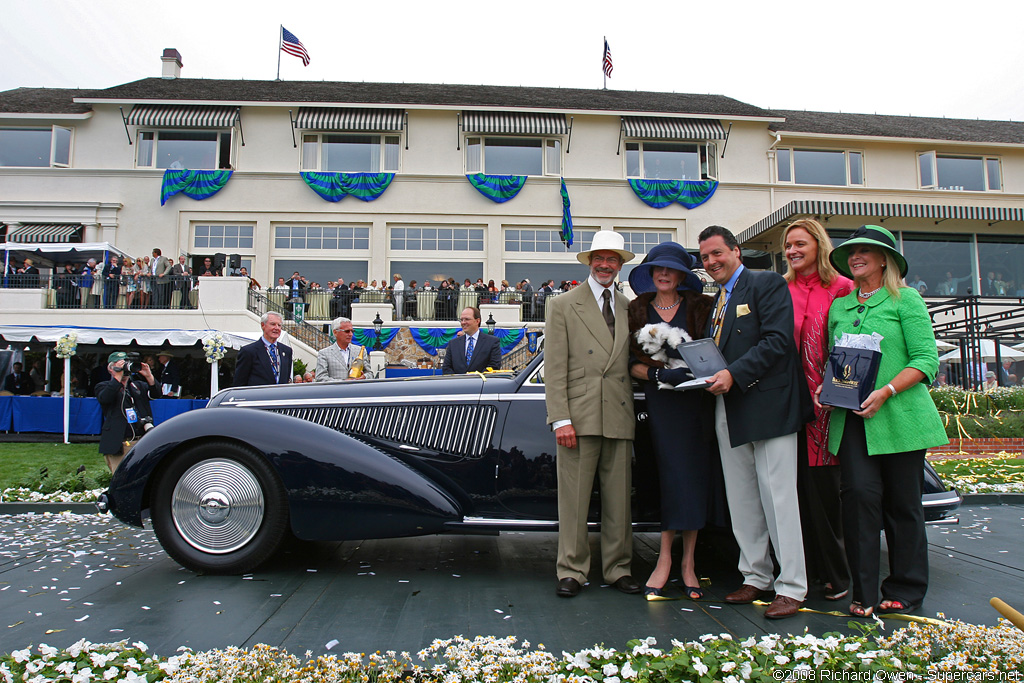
988	353
47	254
119	336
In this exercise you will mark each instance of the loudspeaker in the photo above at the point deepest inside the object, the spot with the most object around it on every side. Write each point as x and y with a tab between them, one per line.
235	261
218	261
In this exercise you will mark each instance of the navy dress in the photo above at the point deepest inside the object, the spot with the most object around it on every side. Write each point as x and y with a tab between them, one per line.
681	425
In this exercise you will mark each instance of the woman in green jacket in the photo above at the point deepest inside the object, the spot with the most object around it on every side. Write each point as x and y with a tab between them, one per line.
881	447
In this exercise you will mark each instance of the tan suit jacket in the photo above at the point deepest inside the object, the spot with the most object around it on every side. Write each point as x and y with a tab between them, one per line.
586	374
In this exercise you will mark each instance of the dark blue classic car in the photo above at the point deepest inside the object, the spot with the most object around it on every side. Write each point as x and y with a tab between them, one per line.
225	485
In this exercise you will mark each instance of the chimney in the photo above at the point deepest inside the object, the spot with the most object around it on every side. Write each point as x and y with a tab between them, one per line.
172	63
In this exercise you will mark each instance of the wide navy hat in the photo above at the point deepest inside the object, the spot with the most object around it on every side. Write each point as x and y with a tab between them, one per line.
670	255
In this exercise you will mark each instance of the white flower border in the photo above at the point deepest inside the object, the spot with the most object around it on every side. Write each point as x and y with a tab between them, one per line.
67	345
214	348
920	651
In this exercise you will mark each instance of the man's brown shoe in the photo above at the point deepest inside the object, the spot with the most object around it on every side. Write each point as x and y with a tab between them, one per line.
782	607
744	595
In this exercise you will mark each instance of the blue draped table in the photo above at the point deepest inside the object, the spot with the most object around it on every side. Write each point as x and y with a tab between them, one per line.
411	372
46	414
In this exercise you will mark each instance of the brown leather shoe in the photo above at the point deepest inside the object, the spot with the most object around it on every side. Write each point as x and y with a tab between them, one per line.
782	607
568	588
744	595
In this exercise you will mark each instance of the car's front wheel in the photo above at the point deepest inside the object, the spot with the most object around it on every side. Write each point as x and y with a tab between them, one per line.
219	508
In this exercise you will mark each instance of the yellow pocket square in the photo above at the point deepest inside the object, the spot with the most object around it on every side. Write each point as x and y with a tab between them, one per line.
742	309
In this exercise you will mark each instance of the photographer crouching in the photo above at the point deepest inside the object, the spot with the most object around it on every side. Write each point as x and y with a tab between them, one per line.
125	403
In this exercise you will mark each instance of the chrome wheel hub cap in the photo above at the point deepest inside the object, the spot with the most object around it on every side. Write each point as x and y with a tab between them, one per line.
217	506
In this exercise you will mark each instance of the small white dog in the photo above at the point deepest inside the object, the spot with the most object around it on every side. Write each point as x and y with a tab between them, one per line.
656	338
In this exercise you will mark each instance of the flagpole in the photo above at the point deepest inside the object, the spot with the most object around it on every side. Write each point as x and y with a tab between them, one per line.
280	37
604	73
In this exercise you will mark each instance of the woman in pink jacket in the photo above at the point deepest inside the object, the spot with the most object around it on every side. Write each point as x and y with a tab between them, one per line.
814	284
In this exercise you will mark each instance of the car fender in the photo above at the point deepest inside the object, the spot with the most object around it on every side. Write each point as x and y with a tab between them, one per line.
338	487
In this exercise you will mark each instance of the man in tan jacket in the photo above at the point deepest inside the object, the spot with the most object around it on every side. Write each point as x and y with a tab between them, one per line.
590	409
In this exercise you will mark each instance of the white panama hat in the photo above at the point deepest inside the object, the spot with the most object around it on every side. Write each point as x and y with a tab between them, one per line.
606	240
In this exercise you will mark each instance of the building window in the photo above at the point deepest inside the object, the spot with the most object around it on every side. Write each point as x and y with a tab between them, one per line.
311	237
1001	259
175	149
671	160
35	147
514	156
541	240
640	242
950	172
437	239
331	152
820	166
224	237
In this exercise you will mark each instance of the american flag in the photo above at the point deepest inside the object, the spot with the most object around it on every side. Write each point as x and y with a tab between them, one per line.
291	45
607	60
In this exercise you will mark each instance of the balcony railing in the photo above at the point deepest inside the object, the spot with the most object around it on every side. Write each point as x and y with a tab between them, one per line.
66	290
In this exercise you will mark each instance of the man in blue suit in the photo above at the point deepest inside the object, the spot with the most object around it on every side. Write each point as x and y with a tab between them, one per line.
472	351
265	361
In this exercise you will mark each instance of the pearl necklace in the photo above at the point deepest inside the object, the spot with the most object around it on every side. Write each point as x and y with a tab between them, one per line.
667	308
867	295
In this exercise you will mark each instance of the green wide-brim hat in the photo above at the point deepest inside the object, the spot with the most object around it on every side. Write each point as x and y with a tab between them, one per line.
874	235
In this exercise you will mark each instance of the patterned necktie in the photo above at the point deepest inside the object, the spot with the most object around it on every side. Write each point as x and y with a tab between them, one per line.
274	363
469	350
606	311
719	314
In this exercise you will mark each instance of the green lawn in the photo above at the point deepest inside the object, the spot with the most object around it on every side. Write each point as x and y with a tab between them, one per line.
20	463
983	475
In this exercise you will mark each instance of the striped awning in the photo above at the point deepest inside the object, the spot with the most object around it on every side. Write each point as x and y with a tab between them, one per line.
347	118
182	116
24	233
991	214
513	123
660	128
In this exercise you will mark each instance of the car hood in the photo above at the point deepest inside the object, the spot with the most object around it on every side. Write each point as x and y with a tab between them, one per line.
412	388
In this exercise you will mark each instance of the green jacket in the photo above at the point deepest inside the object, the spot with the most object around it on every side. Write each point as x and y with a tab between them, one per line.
909	420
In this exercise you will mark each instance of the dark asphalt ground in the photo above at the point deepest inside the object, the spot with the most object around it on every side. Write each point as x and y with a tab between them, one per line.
68	576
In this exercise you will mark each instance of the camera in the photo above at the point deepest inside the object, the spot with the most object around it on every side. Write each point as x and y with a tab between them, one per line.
133	363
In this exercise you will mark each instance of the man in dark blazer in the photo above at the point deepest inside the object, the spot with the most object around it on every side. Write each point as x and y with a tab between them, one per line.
265	361
759	410
125	405
486	349
589	399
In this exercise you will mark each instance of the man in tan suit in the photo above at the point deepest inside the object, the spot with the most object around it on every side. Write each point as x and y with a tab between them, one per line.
590	409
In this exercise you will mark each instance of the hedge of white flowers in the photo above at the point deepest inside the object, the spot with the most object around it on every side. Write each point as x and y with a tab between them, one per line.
25	495
920	651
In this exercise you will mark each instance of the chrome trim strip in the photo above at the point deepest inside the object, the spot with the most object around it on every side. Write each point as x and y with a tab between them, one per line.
944	498
520	397
349	401
947	520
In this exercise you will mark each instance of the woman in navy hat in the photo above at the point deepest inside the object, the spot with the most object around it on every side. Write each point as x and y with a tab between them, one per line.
668	292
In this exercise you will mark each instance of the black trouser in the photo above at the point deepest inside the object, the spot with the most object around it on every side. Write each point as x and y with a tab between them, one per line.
883	491
821	520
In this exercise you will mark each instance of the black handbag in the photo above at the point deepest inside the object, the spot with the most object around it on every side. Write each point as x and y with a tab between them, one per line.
849	377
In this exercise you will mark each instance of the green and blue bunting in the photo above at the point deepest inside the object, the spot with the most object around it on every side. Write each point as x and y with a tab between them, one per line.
194	184
334	187
660	193
566	217
431	339
509	339
368	337
498	188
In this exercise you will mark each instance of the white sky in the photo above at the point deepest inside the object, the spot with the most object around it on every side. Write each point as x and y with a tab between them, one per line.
937	58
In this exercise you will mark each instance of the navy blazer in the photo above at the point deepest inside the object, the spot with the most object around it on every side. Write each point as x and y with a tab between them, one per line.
486	354
252	367
769	397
